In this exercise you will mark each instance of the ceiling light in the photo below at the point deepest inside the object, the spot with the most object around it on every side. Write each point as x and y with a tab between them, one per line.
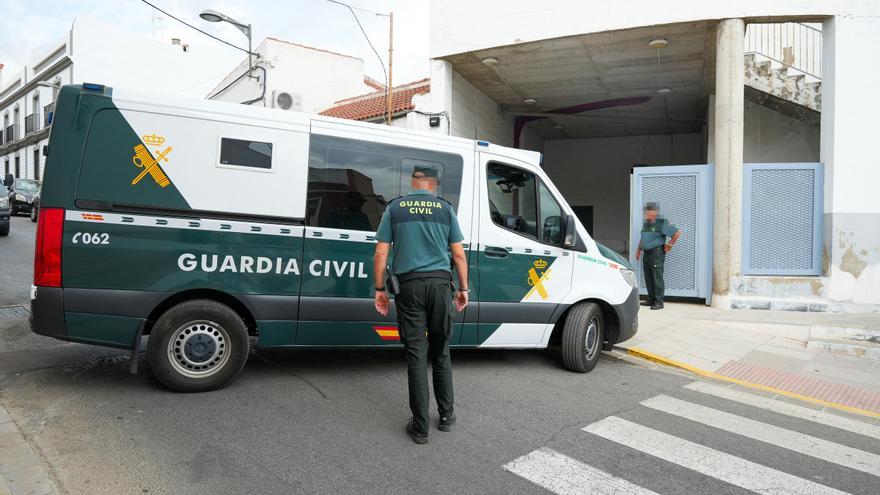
490	61
658	43
530	101
664	91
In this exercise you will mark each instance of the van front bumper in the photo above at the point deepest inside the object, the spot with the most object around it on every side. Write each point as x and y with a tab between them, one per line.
628	316
47	312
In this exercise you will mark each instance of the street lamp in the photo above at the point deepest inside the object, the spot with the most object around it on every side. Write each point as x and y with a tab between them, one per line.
214	16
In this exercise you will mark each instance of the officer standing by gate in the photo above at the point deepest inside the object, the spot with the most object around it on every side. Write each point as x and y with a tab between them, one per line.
653	242
423	229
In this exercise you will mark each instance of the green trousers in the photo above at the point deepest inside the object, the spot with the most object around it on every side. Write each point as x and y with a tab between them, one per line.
652	261
424	313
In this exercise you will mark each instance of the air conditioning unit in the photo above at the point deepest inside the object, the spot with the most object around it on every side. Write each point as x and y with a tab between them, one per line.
287	100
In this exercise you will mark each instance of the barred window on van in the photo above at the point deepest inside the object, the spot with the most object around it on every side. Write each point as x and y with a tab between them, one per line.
244	153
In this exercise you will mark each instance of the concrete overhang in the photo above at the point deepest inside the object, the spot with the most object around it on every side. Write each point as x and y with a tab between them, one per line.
602	84
460	26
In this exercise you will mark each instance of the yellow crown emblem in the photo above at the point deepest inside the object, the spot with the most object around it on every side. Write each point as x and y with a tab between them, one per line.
153	140
540	264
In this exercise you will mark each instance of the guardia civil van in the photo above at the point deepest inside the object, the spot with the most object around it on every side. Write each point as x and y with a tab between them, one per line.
212	227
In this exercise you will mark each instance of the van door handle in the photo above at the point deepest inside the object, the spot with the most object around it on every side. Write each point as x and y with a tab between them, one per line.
496	252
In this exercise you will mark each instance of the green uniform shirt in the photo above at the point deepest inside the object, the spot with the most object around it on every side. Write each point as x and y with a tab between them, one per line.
420	227
654	234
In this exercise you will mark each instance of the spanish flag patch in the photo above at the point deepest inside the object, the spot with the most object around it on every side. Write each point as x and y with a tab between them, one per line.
387	333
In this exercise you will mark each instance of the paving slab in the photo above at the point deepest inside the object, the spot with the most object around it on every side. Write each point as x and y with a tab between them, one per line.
21	470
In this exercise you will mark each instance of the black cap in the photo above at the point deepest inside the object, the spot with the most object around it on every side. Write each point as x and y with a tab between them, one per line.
651	205
425	171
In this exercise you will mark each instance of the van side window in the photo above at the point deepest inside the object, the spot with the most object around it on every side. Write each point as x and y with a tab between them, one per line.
513	204
551	216
244	153
351	181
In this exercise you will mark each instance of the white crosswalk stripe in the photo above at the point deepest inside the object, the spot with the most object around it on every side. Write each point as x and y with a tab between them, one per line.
705	460
561	474
786	408
774	435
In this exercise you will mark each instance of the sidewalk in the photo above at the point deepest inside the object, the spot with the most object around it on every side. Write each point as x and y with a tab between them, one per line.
829	359
21	471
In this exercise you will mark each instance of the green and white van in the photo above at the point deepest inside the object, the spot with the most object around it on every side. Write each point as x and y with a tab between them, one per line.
213	227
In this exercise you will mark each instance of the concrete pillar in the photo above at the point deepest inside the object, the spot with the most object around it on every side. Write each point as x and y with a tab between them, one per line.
728	155
441	93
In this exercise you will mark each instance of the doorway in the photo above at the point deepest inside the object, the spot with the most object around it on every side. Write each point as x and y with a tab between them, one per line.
685	197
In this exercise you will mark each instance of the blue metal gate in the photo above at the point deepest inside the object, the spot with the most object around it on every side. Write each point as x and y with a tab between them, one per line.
685	196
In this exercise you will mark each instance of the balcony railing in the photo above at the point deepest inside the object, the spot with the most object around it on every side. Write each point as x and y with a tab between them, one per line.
48	114
12	133
31	123
792	44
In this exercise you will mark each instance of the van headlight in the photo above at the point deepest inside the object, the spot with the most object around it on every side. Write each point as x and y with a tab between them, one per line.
630	277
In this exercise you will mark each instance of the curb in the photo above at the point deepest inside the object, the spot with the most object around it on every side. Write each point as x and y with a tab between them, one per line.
708	374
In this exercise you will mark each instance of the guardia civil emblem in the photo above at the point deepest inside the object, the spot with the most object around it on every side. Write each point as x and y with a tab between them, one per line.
538	273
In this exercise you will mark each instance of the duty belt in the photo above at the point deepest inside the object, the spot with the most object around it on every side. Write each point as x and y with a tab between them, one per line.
441	274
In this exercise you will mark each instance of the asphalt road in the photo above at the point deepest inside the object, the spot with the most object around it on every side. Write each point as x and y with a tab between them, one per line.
332	422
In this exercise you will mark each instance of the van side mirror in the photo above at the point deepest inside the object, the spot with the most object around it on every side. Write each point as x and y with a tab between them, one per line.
8	180
570	232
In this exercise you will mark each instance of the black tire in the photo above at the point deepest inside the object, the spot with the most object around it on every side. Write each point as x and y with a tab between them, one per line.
4	230
582	337
209	349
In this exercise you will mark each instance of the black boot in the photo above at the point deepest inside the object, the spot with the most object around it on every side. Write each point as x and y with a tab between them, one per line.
657	305
419	438
446	422
647	302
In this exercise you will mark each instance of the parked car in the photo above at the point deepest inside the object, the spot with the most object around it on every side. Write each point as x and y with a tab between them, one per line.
5	212
35	207
21	194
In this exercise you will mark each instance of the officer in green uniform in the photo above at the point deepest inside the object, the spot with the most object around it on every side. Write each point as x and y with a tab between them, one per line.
422	229
653	242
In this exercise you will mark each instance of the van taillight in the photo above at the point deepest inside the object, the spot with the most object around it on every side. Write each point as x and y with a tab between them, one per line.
47	255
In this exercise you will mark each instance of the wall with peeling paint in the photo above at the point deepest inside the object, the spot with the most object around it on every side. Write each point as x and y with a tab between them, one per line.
850	109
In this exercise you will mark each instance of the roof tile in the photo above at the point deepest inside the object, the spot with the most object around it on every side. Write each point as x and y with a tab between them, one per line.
372	105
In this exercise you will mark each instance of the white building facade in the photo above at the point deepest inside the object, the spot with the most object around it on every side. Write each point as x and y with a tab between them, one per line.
95	52
603	104
290	76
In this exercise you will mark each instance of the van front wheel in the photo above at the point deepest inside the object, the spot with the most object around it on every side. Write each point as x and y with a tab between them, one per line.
197	346
582	337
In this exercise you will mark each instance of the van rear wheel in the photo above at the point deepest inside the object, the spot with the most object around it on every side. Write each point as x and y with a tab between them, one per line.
197	346
582	336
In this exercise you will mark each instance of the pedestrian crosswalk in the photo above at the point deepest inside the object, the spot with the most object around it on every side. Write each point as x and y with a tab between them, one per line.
559	473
